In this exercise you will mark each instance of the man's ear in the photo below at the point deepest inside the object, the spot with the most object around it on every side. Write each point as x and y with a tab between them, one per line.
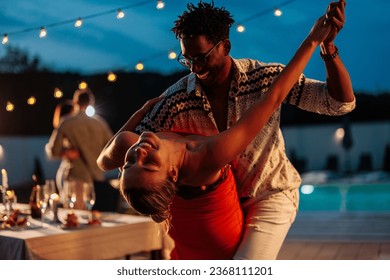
227	45
174	173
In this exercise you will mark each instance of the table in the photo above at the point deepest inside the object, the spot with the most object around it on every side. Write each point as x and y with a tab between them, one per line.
119	235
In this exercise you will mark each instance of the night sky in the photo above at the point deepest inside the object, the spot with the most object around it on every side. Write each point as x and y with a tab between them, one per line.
104	43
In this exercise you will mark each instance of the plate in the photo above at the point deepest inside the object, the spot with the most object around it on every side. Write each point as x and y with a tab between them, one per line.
25	227
20	219
80	226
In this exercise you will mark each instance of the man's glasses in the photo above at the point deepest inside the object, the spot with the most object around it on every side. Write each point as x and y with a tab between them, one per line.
200	60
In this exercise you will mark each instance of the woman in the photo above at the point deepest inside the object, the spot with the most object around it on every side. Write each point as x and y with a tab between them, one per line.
161	170
62	110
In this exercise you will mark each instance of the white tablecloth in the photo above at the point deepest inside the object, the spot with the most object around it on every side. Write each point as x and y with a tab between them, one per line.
118	235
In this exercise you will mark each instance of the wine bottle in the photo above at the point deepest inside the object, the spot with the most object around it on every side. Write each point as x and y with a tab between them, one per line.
35	211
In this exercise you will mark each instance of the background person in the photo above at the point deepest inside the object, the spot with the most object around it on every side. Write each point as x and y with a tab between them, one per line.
79	140
63	109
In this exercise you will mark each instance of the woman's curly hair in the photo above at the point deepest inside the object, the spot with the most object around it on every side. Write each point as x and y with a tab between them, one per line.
152	200
204	19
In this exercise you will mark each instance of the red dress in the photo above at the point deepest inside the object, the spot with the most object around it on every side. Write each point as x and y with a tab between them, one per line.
208	226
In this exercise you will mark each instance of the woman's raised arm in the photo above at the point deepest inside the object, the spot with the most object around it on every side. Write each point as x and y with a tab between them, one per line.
220	149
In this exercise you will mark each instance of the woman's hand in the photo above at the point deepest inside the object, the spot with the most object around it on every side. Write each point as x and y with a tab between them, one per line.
320	31
335	16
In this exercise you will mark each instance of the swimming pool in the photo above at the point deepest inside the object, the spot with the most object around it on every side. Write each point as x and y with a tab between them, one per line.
345	197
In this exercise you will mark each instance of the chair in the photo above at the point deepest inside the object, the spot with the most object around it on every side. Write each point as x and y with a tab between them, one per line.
332	163
365	162
386	159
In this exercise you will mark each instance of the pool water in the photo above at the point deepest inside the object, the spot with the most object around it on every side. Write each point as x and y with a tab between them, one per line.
345	197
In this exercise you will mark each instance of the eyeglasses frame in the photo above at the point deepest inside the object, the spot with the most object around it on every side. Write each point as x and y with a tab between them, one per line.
197	60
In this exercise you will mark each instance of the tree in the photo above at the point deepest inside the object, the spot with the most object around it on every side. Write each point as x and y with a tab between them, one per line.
18	61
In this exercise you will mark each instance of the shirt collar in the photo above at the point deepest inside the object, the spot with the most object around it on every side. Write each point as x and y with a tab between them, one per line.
240	70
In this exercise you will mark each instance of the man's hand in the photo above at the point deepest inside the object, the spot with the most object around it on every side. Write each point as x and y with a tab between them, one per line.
335	16
71	154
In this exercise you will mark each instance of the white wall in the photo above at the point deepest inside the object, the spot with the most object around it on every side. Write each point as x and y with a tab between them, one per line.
18	155
314	143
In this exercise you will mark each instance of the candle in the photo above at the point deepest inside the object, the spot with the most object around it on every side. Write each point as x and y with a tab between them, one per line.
4	178
10	195
54	197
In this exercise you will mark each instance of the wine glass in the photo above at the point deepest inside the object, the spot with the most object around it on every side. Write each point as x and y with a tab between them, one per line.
70	187
89	196
43	195
53	198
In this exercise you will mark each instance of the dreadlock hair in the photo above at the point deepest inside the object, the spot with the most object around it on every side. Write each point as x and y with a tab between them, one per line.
153	200
204	19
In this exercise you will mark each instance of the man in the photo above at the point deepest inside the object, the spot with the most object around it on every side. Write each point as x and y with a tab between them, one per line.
79	140
217	92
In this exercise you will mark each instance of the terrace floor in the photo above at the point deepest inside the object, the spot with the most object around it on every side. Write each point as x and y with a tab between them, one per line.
338	236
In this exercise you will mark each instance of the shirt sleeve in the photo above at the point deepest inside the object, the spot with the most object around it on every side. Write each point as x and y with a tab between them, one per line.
313	96
54	146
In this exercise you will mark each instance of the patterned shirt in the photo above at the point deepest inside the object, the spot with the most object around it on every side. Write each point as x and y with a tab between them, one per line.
263	167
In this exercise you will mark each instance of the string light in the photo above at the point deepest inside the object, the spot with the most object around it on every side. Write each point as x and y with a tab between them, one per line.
141	3
160	5
5	39
172	55
42	32
31	100
10	106
78	23
58	93
139	66
120	14
240	28
83	85
111	77
277	12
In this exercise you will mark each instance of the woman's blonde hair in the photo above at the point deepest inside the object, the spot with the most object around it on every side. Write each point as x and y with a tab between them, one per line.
153	200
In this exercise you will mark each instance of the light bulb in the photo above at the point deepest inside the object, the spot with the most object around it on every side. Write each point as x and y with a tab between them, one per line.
5	39
139	66
277	12
172	55
42	33
160	5
120	14
111	77
78	23
240	28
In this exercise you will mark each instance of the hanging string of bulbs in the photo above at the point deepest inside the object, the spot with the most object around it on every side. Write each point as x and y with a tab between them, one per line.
120	13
